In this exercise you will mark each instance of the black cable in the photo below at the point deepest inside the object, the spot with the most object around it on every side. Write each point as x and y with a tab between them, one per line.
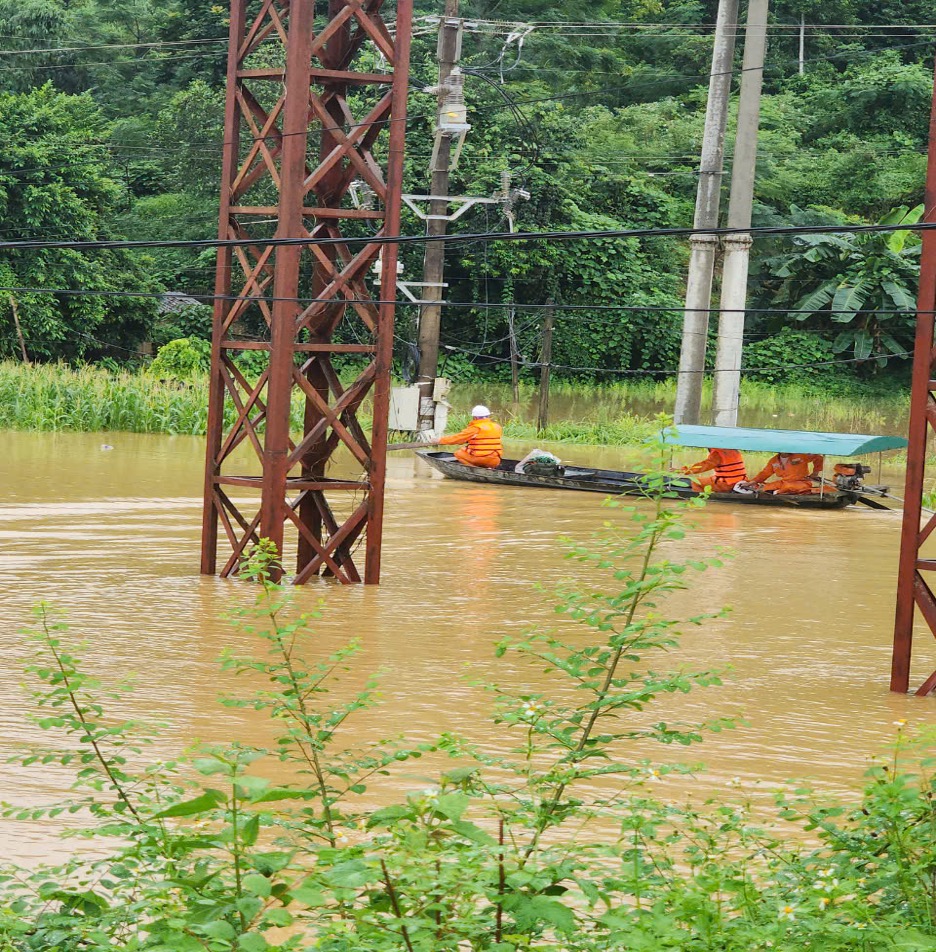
156	44
475	305
518	114
662	77
667	372
520	236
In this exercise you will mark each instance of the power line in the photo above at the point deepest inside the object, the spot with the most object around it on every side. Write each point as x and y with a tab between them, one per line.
630	87
671	372
118	63
156	44
615	234
474	305
638	24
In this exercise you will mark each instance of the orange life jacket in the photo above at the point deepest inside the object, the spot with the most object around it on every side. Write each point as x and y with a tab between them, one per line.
729	466
487	440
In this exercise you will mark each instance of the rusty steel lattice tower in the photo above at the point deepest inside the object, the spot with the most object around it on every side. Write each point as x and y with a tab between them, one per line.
913	589
302	126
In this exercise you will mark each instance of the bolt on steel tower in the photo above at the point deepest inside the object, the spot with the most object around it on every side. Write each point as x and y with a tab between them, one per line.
304	121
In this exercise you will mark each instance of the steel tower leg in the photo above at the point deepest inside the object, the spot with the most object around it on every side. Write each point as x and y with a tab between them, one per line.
297	135
912	586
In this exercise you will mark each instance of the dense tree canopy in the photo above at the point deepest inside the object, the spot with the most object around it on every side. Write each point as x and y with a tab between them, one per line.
112	126
56	183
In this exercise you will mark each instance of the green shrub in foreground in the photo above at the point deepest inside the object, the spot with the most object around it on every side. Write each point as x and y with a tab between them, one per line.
552	842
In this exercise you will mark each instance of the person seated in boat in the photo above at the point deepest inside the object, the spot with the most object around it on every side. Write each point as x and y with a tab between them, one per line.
788	473
726	467
482	439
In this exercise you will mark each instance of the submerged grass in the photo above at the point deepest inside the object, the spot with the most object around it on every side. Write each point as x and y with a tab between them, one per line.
60	397
877	407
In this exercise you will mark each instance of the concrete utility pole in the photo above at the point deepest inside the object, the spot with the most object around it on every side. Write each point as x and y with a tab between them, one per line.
738	247
708	196
449	52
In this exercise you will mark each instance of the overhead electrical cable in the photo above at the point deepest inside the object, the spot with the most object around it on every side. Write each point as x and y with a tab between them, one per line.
471	305
520	236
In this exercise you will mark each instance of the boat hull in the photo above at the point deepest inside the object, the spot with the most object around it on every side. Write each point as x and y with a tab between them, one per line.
614	482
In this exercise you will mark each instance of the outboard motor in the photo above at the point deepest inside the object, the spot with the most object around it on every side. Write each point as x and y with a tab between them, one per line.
848	476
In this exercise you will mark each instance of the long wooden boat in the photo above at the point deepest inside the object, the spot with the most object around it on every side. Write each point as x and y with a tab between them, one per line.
615	482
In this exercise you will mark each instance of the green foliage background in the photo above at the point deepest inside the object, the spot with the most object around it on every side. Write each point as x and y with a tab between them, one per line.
106	137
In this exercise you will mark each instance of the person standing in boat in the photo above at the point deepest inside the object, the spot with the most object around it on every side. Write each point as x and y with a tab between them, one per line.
790	474
726	466
481	439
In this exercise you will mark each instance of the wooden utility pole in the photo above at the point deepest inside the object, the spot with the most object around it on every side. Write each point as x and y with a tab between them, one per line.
737	247
542	417
430	318
708	197
19	330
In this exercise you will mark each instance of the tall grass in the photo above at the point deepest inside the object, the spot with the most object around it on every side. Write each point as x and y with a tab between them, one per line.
620	432
87	399
874	408
58	397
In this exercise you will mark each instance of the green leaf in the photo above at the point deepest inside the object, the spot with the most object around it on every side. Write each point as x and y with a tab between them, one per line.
531	910
389	815
208	801
472	832
252	942
452	805
350	874
900	295
249	787
848	300
863	345
309	895
818	299
459	774
219	929
282	793
257	885
250	830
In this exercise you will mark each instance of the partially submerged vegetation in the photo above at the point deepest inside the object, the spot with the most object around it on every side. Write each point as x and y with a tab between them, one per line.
60	397
558	841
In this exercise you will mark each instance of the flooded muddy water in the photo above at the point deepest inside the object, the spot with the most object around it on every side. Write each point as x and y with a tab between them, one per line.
111	536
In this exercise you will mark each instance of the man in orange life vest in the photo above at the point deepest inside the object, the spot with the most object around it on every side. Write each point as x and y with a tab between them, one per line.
791	472
482	438
728	471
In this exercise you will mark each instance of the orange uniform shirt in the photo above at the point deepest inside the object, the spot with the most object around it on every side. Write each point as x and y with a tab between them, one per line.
793	466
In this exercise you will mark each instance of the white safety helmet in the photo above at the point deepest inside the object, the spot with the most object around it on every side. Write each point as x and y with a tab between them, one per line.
480	411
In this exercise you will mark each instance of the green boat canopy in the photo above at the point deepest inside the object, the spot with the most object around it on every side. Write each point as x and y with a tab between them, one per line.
779	441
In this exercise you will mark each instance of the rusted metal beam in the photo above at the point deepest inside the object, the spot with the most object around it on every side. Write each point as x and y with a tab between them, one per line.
911	589
293	134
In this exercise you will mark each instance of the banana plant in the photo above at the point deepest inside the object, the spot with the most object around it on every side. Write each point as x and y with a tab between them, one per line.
859	287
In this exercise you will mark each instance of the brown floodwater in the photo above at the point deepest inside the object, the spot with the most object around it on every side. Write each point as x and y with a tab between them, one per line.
111	536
